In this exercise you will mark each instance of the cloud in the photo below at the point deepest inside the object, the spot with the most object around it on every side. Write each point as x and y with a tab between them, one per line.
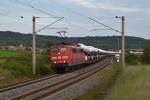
103	6
117	8
137	15
147	12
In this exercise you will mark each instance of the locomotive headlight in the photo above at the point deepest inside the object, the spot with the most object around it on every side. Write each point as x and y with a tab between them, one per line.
54	58
65	57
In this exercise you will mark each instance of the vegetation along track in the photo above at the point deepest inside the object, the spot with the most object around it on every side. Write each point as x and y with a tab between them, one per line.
51	85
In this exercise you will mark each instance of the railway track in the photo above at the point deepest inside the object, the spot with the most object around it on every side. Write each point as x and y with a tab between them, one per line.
10	91
66	83
24	83
46	86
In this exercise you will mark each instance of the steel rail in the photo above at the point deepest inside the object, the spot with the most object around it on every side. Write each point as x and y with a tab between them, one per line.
27	82
80	76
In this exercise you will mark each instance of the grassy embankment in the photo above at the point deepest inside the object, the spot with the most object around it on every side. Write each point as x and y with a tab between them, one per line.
4	53
106	77
133	84
17	66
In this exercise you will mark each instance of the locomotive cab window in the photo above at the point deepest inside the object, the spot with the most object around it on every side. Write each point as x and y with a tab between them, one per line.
76	50
63	49
55	50
81	50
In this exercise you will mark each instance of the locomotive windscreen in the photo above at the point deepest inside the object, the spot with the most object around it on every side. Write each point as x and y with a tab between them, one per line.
55	50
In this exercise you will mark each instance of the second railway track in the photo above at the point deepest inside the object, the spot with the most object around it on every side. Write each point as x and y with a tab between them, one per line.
28	82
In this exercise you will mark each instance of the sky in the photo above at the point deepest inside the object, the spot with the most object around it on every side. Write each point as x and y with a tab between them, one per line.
76	14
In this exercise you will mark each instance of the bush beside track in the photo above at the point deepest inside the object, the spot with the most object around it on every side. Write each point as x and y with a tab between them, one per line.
17	66
138	59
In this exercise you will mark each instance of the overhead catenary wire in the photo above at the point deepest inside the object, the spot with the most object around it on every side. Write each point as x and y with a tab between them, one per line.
96	29
2	14
11	15
104	25
8	14
49	25
37	9
64	28
53	16
82	15
74	12
16	18
66	7
42	11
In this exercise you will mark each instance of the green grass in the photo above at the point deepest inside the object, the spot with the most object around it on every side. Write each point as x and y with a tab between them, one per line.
6	78
7	53
133	84
106	77
19	67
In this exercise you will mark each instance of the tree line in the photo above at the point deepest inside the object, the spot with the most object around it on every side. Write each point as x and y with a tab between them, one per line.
103	42
133	59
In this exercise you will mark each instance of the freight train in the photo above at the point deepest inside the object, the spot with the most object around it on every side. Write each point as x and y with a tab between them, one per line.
68	56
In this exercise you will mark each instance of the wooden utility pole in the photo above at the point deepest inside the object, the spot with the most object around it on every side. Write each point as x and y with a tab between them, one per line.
34	47
123	40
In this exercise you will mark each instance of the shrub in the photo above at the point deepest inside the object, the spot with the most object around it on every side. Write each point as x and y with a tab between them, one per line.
22	65
146	55
132	59
43	65
18	68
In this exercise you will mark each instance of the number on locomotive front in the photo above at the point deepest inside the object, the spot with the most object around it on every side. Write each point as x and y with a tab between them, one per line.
59	55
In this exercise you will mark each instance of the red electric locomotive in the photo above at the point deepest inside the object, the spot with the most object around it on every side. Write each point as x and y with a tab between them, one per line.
64	56
68	56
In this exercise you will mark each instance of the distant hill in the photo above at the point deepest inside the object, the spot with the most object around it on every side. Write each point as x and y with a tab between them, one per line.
104	42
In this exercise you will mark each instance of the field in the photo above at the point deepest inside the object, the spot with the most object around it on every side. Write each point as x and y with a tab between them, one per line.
17	66
133	84
4	53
